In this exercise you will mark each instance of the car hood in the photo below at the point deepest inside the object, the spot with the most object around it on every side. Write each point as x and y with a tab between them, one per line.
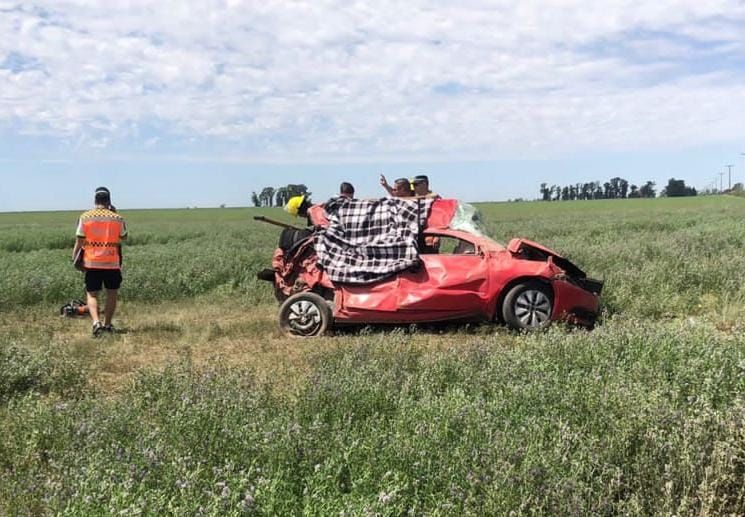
524	248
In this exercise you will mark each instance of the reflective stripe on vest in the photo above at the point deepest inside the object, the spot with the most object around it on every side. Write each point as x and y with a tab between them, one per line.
102	231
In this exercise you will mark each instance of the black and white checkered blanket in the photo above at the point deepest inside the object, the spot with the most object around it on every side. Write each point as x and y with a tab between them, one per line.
369	240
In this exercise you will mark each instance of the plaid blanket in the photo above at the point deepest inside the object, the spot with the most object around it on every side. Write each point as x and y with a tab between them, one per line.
369	240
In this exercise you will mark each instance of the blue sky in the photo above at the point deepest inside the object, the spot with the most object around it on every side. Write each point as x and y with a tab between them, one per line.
198	103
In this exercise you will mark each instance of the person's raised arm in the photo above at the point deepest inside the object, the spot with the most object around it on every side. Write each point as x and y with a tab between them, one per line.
385	185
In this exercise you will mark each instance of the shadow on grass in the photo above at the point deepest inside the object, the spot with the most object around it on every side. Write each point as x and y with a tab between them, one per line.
153	328
420	328
448	328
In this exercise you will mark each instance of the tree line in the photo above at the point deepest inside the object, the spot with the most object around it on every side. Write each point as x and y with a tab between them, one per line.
615	188
271	196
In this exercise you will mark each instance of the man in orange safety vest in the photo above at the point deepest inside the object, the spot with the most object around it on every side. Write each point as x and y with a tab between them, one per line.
99	236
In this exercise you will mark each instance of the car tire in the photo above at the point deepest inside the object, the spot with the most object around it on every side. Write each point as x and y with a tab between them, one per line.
528	306
305	315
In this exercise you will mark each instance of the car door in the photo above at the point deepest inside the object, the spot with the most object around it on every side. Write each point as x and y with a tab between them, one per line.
452	282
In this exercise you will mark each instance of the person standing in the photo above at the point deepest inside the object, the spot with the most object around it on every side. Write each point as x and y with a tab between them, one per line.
421	187
99	235
401	187
346	190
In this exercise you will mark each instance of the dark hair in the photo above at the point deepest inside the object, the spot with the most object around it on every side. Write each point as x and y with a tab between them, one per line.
302	210
346	188
103	196
406	184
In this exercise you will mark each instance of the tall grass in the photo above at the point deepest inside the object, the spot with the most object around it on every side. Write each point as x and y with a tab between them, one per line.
633	419
661	258
171	255
643	416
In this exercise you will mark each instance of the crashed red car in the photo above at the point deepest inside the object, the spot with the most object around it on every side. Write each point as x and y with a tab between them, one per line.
459	276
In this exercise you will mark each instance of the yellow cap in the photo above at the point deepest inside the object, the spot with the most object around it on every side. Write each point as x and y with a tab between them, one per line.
293	205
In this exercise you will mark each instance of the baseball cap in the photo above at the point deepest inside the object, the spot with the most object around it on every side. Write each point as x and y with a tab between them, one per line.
421	178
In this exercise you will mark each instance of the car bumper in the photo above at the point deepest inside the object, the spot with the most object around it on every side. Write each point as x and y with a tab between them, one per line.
576	304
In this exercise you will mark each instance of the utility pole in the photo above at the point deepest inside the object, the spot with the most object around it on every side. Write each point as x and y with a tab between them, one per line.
730	175
721	182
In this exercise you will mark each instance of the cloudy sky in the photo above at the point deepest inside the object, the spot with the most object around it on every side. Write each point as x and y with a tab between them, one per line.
199	102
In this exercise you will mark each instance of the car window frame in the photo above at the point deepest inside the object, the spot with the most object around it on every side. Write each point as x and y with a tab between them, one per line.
477	251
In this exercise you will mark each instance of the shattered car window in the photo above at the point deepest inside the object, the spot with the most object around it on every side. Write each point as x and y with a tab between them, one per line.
468	219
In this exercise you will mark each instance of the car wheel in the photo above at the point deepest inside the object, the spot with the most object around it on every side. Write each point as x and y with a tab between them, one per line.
528	306
305	315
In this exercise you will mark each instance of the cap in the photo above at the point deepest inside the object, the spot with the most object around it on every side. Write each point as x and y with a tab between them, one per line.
293	205
102	191
422	178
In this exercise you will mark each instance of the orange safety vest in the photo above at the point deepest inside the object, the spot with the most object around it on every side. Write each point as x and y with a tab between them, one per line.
102	230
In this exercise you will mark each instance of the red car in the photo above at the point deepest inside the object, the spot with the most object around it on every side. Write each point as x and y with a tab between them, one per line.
463	277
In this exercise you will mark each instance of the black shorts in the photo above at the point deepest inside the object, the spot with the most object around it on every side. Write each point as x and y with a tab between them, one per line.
95	278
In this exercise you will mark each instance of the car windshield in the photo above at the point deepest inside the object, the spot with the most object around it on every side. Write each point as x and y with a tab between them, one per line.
468	219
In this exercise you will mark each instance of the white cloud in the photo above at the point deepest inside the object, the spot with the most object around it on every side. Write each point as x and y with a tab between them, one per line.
333	79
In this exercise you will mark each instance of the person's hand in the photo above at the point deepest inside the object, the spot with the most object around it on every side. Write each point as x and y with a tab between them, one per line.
383	181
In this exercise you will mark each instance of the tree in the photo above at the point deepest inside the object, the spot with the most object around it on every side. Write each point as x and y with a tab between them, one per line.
618	190
624	187
545	192
267	196
615	188
634	192
297	190
648	190
281	197
677	188
598	190
270	196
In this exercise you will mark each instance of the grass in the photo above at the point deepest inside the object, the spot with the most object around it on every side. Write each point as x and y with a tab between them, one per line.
201	407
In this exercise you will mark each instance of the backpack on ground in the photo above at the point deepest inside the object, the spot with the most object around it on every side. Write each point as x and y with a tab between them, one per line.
74	308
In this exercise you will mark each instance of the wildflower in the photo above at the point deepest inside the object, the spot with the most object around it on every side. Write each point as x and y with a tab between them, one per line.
384	498
247	503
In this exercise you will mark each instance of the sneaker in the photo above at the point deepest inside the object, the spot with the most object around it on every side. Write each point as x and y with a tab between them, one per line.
111	329
98	329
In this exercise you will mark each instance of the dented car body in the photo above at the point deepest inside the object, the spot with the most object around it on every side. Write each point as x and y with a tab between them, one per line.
461	276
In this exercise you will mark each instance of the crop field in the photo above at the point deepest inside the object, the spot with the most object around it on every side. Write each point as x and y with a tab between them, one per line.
200	407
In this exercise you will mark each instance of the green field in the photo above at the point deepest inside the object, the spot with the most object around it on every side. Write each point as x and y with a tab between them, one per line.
200	406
